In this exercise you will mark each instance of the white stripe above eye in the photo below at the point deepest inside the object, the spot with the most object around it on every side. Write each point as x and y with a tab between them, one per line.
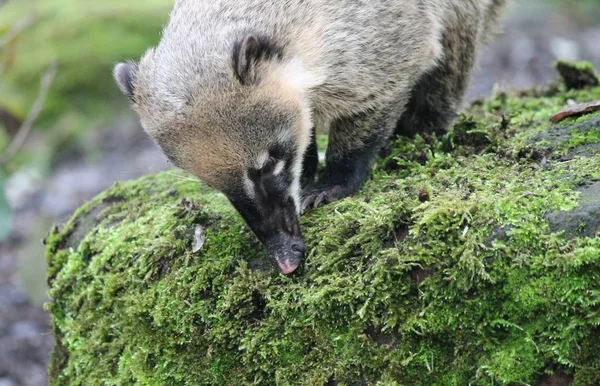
279	168
249	187
262	159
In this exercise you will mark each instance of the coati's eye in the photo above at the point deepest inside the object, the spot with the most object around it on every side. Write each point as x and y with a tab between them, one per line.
269	166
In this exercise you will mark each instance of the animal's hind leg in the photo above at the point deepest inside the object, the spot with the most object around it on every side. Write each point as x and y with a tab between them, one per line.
438	94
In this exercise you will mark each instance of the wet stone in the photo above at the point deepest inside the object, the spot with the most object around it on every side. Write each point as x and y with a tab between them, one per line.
559	136
584	221
88	221
498	234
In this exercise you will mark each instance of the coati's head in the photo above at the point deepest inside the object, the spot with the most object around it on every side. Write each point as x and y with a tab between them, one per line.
236	115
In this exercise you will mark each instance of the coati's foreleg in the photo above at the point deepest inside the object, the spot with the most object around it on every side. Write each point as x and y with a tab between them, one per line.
439	92
353	144
431	108
310	164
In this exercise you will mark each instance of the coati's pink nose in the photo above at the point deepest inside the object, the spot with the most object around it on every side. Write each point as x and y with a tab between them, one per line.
286	267
290	261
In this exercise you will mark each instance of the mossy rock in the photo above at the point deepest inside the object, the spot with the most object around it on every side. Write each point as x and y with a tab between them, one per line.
452	266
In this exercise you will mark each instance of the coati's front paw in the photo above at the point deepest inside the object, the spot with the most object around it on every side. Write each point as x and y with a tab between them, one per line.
318	196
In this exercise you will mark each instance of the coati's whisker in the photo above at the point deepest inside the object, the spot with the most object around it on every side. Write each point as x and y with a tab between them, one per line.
183	177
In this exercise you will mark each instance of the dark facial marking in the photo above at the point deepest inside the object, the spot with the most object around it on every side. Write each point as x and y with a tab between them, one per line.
271	212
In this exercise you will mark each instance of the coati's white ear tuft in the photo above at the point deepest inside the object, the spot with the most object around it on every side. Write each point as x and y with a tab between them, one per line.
125	74
246	55
295	74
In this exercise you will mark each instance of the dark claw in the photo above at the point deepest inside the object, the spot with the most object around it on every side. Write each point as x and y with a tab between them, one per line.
317	197
307	202
321	198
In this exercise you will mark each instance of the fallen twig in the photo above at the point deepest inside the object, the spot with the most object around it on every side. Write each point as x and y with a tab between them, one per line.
17	29
23	132
576	111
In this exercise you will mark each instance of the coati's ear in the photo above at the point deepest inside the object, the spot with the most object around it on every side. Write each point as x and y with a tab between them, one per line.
245	58
125	74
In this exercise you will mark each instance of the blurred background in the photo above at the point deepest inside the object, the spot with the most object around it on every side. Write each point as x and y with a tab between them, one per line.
66	133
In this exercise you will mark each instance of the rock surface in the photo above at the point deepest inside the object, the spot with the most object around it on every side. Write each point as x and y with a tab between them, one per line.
491	277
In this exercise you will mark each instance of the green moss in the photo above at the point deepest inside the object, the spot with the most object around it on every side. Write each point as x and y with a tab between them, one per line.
443	270
580	138
579	66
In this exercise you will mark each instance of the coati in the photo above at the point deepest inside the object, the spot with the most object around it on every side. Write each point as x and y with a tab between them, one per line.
233	91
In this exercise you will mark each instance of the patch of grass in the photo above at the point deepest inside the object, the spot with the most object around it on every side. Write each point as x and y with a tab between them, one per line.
86	39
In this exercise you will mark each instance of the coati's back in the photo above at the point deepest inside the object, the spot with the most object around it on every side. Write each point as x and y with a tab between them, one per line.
357	48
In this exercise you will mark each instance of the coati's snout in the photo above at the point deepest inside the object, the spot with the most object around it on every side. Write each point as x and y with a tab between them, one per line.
246	139
277	226
267	200
287	253
240	119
